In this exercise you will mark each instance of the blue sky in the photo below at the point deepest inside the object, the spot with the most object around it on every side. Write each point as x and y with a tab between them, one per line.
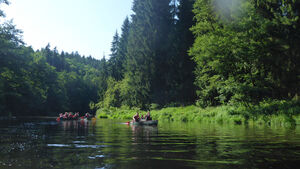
86	26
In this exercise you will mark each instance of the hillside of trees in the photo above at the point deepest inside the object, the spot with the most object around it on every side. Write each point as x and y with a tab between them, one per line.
149	58
225	51
45	82
168	53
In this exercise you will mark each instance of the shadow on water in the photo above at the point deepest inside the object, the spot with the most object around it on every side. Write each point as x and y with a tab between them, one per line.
44	143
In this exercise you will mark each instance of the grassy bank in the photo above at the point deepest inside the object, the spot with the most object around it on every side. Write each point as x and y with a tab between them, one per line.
268	112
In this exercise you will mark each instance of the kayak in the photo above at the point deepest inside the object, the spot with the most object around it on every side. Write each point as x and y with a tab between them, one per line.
144	122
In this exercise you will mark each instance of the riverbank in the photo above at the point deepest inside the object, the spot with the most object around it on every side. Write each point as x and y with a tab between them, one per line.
267	112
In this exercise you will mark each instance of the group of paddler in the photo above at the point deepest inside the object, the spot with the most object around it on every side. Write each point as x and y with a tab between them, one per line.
71	116
137	118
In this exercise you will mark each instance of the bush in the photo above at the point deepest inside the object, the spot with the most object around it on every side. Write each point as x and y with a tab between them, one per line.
271	112
154	106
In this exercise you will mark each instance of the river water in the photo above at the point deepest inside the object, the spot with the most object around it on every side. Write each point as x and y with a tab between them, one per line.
108	144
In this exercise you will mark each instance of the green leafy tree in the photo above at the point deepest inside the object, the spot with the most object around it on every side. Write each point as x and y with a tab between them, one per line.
241	47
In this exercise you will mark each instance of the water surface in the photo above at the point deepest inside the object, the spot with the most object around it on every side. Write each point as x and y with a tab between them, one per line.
108	144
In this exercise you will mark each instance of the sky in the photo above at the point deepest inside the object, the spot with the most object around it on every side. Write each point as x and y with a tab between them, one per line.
86	26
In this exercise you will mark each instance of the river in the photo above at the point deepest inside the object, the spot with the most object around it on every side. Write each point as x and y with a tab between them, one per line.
109	144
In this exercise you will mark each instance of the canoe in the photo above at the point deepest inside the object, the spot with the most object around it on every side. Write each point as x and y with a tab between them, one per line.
70	119
143	122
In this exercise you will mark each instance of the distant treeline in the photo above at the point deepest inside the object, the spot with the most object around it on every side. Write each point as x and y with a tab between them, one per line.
169	53
44	82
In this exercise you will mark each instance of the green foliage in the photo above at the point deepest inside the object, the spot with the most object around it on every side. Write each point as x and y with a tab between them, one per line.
147	51
45	82
277	113
115	62
246	51
112	94
240	55
180	76
154	106
149	60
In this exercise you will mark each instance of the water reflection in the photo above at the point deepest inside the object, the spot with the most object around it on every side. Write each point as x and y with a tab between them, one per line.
110	144
78	124
143	133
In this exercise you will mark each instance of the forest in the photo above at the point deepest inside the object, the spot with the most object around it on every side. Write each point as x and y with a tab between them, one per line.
169	53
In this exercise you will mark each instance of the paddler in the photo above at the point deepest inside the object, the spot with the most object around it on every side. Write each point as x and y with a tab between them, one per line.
65	116
136	117
148	117
70	116
87	115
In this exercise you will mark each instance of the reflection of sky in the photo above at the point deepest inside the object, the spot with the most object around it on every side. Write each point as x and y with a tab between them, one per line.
169	145
71	25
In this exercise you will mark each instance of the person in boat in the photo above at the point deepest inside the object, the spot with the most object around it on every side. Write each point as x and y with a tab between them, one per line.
76	115
65	116
148	117
59	117
142	117
70	116
87	115
136	117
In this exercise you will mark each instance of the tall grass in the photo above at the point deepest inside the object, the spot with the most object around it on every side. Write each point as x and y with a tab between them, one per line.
267	112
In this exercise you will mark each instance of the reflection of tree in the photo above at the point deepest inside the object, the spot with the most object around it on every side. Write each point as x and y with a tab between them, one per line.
110	144
143	133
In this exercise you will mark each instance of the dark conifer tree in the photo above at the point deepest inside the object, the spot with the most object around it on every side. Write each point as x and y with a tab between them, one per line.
113	64
184	64
123	46
147	50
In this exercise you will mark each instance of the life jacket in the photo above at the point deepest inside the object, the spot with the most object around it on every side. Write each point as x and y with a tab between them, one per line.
136	118
148	117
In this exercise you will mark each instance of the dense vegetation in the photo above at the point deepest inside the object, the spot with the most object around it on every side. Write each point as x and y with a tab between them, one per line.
239	54
245	60
246	51
45	81
275	113
243	52
150	58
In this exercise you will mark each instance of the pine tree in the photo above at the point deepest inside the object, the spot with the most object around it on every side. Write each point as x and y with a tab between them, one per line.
1	12
123	45
181	65
147	50
113	63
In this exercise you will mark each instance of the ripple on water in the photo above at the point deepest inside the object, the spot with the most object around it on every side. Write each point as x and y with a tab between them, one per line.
96	156
77	145
58	145
79	142
89	146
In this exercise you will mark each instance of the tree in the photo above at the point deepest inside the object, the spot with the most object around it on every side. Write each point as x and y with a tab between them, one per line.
114	61
1	12
123	46
147	50
181	77
241	47
45	82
